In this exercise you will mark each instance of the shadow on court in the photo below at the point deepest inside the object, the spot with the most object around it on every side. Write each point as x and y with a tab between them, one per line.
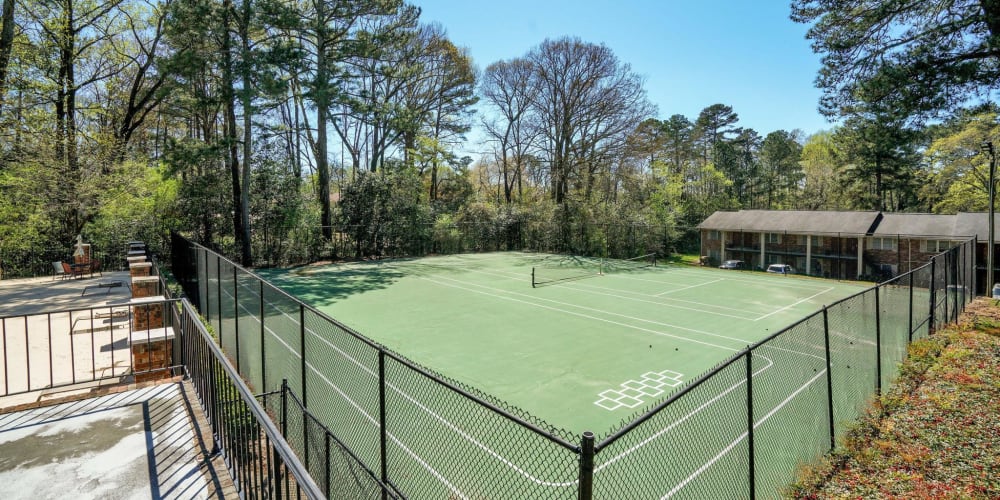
327	285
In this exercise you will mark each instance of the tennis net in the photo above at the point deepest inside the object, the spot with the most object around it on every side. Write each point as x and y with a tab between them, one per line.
575	268
564	269
624	265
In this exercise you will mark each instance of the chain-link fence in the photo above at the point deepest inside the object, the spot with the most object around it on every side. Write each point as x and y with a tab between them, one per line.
738	431
424	435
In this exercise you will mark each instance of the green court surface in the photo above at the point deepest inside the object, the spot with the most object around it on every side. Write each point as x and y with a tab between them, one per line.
581	354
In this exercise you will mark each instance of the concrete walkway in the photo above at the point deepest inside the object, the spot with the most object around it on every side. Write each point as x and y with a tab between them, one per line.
144	443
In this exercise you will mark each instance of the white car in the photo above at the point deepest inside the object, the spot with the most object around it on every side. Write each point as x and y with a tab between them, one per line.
781	269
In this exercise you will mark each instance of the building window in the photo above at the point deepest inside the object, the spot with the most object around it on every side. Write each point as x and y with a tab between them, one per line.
774	238
817	241
713	235
882	243
937	246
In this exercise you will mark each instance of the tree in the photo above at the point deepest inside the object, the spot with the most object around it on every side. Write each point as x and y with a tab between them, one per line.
325	35
915	58
587	104
822	189
439	102
959	169
678	142
779	157
879	155
509	92
6	45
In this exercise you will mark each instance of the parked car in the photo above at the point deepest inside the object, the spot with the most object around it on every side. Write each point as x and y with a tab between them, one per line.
733	264
781	269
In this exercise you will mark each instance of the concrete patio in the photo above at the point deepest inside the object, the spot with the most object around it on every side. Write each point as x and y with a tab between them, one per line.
142	443
107	437
36	295
56	333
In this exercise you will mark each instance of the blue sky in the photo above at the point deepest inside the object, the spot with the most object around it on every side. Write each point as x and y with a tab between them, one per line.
746	54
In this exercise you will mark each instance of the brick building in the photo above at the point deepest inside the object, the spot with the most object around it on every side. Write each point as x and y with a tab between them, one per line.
839	244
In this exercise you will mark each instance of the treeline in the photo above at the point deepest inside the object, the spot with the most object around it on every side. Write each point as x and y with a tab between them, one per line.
270	129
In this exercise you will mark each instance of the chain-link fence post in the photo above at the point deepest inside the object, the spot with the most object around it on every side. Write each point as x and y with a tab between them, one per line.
263	354
302	352
236	318
930	324
586	491
218	291
971	264
752	469
878	344
383	432
947	267
829	376
326	470
909	330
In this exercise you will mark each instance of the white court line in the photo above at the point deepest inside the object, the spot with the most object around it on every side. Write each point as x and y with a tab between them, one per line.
536	480
688	287
681	420
666	304
795	303
587	316
353	403
739	276
741	437
744	342
703	332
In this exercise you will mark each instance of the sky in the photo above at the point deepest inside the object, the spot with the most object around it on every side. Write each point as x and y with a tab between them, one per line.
691	53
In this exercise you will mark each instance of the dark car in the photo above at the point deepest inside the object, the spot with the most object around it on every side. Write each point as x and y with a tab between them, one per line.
733	264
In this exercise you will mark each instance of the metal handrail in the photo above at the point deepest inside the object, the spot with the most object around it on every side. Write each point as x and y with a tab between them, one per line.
302	478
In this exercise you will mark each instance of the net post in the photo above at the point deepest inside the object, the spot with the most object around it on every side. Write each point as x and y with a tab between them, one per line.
586	491
383	433
878	344
752	468
829	376
532	277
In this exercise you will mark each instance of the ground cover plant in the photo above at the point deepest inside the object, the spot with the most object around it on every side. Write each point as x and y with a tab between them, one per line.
936	432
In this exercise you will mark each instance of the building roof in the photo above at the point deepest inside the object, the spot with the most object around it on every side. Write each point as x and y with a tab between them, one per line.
959	226
969	224
916	224
792	221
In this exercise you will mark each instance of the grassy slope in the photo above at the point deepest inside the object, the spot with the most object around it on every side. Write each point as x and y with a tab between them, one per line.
936	433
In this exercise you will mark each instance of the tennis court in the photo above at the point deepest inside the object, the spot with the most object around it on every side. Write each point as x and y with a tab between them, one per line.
586	349
533	351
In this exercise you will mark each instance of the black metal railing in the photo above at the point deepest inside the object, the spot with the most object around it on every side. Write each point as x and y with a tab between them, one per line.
428	436
35	262
63	349
259	459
